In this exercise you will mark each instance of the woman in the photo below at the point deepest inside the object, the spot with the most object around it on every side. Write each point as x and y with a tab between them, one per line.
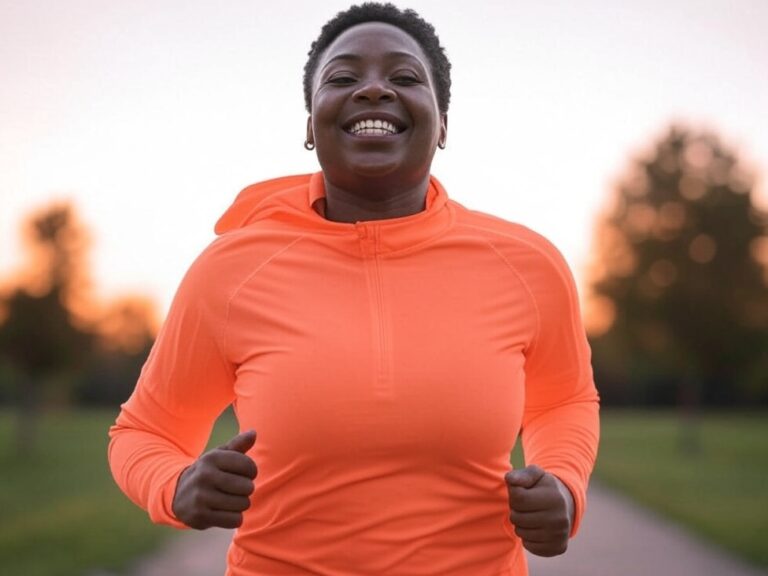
382	345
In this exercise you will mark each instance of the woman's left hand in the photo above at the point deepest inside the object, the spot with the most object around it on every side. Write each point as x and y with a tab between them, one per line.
541	510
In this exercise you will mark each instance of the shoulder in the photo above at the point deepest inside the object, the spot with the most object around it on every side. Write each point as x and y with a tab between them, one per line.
515	241
229	260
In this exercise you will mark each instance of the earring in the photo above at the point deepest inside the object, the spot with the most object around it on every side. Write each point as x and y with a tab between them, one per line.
309	145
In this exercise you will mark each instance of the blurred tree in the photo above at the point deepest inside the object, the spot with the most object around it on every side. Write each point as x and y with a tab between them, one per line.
58	345
41	344
678	293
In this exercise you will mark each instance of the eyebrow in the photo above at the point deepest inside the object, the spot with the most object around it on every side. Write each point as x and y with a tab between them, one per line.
357	57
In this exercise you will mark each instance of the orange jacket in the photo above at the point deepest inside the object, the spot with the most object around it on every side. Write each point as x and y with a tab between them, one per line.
388	368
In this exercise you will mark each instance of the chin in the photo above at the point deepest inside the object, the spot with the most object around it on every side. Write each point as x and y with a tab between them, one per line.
374	170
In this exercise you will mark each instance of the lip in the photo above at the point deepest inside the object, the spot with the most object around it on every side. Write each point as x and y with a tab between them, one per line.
397	122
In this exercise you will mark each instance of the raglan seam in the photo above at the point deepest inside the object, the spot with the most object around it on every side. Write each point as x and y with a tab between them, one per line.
557	266
517	273
522	281
248	278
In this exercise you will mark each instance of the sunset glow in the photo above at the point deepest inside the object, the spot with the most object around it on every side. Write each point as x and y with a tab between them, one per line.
150	116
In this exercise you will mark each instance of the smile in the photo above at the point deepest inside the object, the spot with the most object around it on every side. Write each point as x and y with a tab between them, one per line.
373	128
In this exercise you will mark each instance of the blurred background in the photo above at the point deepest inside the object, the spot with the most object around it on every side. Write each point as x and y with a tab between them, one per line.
635	137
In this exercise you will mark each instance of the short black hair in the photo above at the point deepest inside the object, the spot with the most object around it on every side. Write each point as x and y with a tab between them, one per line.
407	20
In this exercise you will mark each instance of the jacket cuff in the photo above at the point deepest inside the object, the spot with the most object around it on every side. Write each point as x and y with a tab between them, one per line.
578	491
161	506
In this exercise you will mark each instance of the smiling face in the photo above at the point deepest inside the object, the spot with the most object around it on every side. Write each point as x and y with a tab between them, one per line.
375	119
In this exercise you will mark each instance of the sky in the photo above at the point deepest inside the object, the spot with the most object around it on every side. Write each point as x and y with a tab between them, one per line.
152	115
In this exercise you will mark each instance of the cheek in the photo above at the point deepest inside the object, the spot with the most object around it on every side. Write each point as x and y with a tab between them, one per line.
430	129
426	113
326	107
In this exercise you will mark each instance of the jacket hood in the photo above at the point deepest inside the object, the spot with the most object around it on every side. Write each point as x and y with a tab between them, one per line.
286	196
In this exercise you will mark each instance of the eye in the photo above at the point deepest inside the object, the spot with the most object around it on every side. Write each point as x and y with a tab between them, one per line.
405	79
341	80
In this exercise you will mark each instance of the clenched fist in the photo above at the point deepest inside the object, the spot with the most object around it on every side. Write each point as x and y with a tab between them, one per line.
215	489
541	510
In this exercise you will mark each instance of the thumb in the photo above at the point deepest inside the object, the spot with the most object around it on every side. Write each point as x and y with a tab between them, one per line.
242	442
524	477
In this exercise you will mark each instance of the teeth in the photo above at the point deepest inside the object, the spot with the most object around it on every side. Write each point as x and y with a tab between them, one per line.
373	132
373	128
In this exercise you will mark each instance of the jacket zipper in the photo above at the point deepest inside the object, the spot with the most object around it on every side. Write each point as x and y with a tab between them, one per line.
369	237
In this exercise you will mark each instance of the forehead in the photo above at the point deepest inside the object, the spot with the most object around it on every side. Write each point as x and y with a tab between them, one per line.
374	39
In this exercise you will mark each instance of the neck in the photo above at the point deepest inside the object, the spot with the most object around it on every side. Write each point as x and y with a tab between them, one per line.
343	205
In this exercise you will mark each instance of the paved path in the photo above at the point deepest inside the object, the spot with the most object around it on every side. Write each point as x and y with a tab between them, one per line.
617	538
192	553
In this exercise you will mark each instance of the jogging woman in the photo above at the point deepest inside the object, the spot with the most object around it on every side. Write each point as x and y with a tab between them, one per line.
383	347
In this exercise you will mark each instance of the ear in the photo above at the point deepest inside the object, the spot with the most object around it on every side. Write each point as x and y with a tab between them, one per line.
443	131
310	134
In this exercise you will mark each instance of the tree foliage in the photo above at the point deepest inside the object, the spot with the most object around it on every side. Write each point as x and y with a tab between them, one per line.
58	345
40	345
39	336
679	279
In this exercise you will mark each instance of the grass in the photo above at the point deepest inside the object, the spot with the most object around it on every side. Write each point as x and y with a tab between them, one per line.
718	491
60	511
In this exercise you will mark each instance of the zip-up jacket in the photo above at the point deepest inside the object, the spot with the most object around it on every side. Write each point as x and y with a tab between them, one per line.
388	368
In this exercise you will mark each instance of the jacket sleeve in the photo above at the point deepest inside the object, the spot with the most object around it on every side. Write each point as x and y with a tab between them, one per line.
183	387
561	422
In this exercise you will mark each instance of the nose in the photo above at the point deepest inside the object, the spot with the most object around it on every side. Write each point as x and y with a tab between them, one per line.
374	90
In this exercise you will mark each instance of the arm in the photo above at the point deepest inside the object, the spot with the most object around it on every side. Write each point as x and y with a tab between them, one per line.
560	428
185	384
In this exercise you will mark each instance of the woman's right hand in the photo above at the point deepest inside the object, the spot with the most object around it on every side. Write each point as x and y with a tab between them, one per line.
215	489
